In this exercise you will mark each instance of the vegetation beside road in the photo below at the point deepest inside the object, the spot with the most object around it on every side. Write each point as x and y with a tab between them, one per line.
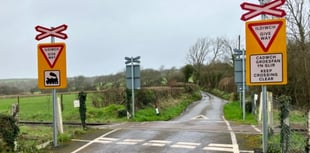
100	109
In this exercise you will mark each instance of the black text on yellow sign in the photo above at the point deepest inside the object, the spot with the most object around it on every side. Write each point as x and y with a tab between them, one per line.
266	55
52	68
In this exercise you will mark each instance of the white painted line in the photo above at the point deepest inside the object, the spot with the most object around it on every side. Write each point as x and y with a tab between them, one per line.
157	143
79	140
160	141
199	117
255	128
104	142
246	151
187	145
127	143
133	140
130	141
154	144
89	143
183	146
220	145
108	139
219	149
233	137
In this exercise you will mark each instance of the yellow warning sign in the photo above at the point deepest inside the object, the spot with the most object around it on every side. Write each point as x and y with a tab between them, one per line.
52	65
266	55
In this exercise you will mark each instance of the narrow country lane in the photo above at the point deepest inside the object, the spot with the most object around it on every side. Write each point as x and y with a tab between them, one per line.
200	129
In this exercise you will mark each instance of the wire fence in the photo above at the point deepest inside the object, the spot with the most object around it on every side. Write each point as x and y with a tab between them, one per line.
289	133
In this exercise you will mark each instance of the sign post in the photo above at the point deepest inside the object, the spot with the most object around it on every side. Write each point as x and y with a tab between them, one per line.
266	50
135	83
52	65
239	66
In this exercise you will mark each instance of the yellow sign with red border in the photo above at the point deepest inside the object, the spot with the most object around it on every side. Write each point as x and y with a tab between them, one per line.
266	57
52	67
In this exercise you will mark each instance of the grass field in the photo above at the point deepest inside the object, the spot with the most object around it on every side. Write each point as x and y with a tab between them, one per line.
40	108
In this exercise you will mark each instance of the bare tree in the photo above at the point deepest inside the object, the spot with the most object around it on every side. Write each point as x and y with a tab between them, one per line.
298	48
199	51
209	51
197	55
228	49
217	49
298	19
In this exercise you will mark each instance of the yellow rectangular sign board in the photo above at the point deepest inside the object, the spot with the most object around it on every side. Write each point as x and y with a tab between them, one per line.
52	66
266	57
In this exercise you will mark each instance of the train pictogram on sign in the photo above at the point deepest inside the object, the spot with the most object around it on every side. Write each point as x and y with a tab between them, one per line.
52	78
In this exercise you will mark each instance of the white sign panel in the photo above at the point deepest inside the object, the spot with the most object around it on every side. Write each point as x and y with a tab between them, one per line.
52	78
76	103
266	68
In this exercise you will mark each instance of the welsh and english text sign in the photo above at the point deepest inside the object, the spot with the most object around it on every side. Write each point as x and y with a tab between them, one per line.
266	52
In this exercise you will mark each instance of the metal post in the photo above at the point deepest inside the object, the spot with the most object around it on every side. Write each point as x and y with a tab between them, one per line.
54	109
240	97
54	118
264	104
265	118
243	85
132	89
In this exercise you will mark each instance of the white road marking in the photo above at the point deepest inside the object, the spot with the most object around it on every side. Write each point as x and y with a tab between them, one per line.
255	128
106	140
233	137
246	151
187	145
89	143
130	141
219	149
79	140
199	117
220	145
157	143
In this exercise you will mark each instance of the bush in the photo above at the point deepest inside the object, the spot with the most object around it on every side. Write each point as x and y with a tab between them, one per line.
145	97
8	132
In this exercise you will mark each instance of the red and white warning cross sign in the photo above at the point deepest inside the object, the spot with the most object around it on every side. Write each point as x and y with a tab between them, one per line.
54	32
52	65
270	8
266	51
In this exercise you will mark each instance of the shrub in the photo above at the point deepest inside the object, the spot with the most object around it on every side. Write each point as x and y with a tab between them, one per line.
145	97
8	131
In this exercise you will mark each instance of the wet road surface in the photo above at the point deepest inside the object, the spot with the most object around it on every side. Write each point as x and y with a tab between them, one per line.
200	129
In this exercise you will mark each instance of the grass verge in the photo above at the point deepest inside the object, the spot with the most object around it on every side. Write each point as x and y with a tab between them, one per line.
233	112
172	108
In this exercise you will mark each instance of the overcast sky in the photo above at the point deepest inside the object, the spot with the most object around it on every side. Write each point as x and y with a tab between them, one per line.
102	32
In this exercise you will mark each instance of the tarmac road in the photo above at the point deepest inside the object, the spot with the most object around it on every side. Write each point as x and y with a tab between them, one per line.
200	129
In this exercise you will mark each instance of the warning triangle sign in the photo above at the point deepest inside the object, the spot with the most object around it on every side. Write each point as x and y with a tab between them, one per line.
265	32
51	52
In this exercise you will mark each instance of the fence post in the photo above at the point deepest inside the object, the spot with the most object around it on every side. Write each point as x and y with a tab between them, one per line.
285	125
308	125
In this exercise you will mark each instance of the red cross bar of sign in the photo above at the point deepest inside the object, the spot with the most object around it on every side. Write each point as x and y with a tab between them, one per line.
268	8
55	32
